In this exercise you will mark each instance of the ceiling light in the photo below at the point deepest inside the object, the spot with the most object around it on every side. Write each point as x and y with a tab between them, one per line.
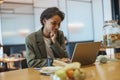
1	1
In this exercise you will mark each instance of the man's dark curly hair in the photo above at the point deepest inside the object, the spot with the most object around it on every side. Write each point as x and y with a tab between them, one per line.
50	12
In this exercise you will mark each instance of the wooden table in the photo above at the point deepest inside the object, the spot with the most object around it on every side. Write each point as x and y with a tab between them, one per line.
109	71
22	74
10	60
98	71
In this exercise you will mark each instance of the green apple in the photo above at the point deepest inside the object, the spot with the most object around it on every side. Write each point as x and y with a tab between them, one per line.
61	74
79	74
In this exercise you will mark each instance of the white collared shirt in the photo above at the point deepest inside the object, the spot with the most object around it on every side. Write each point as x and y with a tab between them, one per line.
48	49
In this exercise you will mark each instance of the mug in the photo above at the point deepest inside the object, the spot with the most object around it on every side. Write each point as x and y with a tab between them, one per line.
49	61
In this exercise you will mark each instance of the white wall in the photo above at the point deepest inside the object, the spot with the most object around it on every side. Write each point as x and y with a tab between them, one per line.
17	22
98	19
80	23
1	49
19	1
107	10
64	24
101	13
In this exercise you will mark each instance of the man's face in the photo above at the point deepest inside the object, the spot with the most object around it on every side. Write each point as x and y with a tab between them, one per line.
53	24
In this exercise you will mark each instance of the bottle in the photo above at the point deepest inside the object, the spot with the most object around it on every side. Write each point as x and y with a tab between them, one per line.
111	37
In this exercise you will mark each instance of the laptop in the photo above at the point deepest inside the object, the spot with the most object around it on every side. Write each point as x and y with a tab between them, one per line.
86	53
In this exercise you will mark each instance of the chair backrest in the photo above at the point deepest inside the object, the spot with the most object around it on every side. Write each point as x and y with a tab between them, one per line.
15	65
16	55
5	55
24	53
24	62
1	68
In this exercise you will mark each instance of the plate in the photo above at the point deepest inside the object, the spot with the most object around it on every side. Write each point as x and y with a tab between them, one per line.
49	70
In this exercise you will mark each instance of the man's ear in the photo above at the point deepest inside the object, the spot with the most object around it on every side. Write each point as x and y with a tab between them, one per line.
44	20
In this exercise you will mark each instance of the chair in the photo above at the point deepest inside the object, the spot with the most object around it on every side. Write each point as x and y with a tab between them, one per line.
16	55
17	64
24	62
1	67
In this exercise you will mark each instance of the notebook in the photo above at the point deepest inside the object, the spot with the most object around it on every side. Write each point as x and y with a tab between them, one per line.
86	53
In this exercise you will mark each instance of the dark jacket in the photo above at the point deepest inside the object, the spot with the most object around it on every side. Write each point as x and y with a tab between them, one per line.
36	54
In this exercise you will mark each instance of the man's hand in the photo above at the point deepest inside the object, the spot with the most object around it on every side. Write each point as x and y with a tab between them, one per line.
53	37
66	60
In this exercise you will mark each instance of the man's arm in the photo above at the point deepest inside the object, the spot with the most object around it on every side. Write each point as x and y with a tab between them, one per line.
32	59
